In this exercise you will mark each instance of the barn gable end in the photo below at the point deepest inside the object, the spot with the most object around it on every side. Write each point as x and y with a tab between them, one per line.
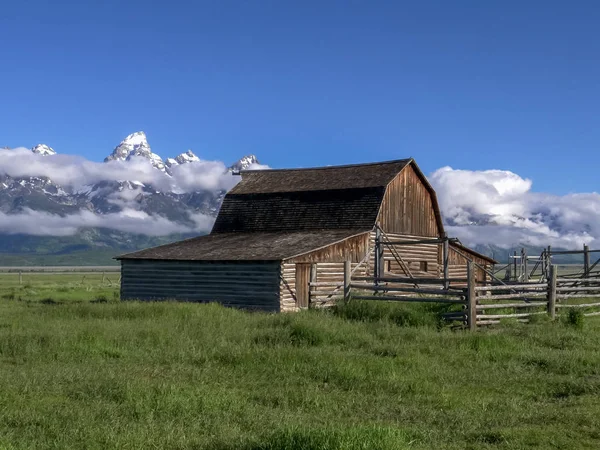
409	205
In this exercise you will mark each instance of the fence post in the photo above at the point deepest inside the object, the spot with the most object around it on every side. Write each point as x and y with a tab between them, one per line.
552	292
445	256
544	265
20	278
347	279
471	297
312	279
379	260
525	270
515	266
548	261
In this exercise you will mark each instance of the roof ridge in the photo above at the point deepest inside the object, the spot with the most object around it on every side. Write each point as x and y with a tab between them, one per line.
392	161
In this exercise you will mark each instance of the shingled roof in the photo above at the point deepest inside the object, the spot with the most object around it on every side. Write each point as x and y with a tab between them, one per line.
275	246
337	197
354	176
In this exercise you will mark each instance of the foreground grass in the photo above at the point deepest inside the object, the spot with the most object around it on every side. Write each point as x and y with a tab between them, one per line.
188	376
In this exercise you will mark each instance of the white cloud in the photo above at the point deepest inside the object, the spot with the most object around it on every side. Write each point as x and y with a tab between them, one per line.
480	207
202	175
77	172
498	207
40	223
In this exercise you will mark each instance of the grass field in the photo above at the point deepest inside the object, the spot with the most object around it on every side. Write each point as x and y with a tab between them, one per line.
52	287
81	373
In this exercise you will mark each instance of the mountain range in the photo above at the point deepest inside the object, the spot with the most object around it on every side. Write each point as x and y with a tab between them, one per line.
107	198
62	209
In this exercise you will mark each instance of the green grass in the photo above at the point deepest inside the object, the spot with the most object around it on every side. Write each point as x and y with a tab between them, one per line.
77	374
59	288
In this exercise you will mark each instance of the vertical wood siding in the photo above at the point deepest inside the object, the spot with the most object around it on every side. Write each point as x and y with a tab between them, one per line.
248	285
302	288
353	249
407	207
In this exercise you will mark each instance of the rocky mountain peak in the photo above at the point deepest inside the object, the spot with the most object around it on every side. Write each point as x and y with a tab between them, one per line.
184	158
136	144
43	149
187	157
244	163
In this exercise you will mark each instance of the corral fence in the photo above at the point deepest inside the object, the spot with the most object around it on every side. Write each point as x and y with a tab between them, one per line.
110	275
525	268
481	303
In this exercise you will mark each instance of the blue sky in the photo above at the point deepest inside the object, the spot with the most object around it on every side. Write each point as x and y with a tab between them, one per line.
470	84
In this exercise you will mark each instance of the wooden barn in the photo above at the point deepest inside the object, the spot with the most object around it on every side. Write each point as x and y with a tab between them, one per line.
279	230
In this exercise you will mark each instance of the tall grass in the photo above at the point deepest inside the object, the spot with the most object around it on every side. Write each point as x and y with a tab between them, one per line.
188	376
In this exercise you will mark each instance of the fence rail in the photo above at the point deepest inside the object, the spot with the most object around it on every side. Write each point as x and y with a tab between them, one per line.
482	305
58	269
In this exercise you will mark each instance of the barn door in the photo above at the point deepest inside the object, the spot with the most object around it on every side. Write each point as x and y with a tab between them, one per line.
302	288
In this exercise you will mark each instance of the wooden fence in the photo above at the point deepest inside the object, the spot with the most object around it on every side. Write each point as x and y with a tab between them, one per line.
481	303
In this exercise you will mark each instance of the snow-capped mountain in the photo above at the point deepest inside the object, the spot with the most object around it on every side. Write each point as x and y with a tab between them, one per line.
136	144
244	163
43	149
183	158
161	201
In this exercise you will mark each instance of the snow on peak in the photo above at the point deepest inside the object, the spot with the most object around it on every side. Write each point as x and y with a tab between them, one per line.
170	162
187	157
43	149
135	139
244	163
136	144
184	158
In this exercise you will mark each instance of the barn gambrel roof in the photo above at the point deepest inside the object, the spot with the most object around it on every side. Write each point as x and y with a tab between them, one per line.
316	207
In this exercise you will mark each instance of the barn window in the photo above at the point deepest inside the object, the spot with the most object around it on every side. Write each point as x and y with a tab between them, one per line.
423	266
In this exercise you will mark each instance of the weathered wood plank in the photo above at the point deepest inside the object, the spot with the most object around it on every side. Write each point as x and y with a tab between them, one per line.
508	316
511	287
510	305
581	305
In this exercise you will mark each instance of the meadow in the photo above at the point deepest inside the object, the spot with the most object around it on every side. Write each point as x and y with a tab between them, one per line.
80	369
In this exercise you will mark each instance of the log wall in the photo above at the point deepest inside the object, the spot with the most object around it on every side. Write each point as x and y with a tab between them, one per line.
248	284
322	272
423	260
457	265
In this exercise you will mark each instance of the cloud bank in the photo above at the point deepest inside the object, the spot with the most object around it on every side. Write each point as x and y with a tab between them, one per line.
40	223
498	207
76	172
479	207
78	175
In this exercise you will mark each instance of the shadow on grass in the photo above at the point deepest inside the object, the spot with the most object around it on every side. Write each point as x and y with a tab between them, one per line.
406	315
49	301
